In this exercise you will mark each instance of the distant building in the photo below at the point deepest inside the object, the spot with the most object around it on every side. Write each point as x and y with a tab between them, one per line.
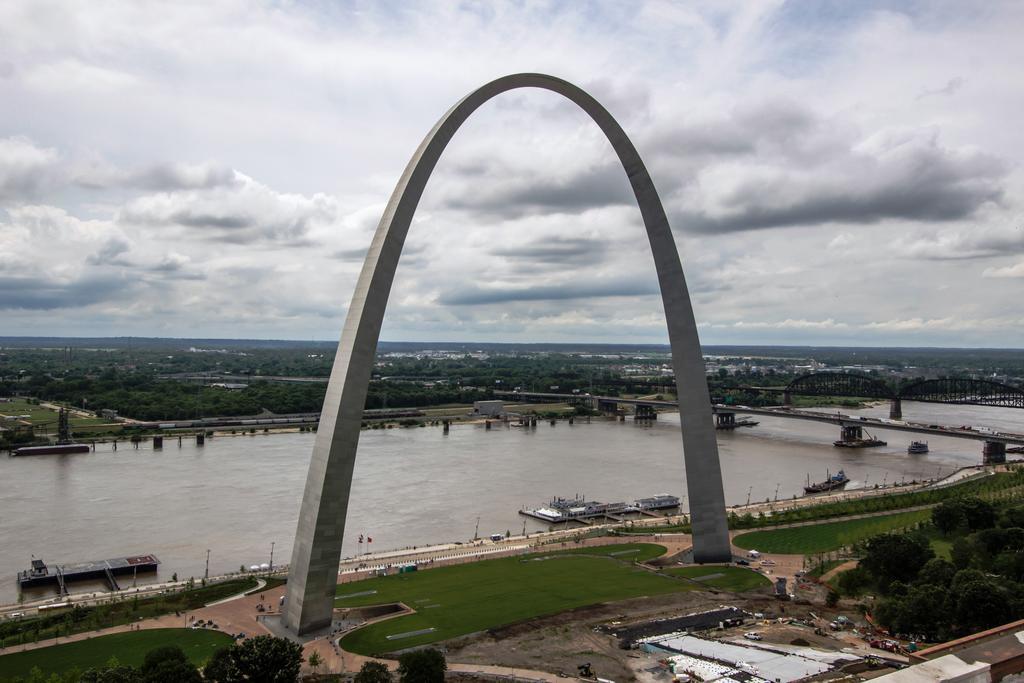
488	408
108	414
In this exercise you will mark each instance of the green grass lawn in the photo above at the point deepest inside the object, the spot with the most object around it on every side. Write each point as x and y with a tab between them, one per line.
36	413
820	538
79	619
474	597
39	415
129	648
735	579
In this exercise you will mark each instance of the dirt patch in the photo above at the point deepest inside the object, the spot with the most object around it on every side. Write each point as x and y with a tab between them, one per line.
373	611
561	642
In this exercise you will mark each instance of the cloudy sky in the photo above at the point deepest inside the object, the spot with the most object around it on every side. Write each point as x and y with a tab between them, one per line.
835	172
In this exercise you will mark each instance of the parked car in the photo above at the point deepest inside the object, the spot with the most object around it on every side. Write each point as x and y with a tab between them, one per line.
753	636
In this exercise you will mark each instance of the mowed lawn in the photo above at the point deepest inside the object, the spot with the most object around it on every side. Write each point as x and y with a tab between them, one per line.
129	648
735	579
466	598
821	538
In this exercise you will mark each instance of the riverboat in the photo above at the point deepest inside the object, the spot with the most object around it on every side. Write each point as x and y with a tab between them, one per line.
917	447
579	508
835	481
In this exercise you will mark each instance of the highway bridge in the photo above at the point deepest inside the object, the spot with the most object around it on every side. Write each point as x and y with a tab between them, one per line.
851	427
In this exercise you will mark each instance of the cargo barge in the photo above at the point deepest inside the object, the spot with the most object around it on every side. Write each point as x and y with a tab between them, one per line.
42	574
55	449
579	509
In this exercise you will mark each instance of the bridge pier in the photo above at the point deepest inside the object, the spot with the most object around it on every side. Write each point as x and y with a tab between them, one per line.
607	407
725	420
645	412
993	453
851	433
896	409
787	398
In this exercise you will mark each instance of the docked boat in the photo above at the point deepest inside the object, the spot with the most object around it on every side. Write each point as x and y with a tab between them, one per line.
917	447
835	481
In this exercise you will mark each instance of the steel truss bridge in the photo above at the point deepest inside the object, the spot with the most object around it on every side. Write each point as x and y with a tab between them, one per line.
951	390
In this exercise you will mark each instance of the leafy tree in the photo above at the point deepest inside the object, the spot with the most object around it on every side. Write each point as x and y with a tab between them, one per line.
315	660
422	666
221	668
173	672
896	557
978	605
169	665
980	514
948	516
1012	517
853	581
962	553
936	572
373	672
263	659
112	673
1010	564
159	655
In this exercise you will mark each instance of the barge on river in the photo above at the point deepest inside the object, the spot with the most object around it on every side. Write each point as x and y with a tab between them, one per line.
42	574
55	449
580	509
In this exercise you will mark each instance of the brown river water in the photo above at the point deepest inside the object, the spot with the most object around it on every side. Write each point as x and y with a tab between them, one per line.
415	486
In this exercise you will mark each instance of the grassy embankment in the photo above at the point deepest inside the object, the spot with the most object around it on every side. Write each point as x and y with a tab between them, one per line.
129	649
821	538
78	619
462	599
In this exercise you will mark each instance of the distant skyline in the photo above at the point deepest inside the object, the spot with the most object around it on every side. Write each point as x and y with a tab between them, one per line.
835	173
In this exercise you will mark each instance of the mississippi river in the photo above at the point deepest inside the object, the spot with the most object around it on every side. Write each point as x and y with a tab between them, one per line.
414	486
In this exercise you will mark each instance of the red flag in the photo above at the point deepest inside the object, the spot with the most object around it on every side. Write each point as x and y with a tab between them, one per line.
369	540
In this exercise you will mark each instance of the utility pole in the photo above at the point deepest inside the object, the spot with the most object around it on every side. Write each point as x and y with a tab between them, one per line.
749	491
476	534
207	575
272	555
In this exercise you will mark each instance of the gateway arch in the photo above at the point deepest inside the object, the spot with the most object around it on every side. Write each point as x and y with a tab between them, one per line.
314	566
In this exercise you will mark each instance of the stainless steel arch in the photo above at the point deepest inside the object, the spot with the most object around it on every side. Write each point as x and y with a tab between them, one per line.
315	556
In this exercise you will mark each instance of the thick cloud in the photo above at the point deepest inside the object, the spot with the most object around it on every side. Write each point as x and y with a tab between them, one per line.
534	192
557	251
582	288
839	176
41	294
25	169
243	213
110	253
910	179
